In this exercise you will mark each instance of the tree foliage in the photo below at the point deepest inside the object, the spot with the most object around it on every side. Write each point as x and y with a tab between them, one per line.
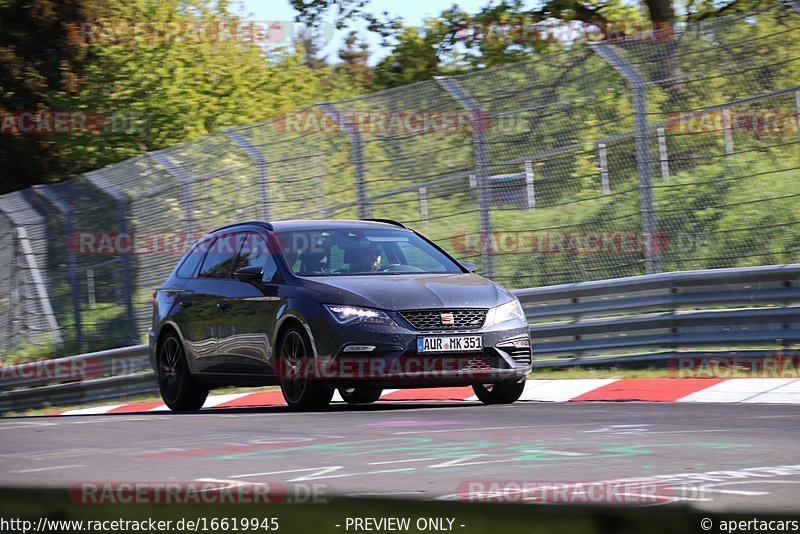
152	89
40	68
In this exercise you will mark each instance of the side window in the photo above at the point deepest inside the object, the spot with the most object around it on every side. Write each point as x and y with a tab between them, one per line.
220	256
192	260
255	252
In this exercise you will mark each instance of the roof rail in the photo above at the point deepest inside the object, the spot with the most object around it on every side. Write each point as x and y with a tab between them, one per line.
265	224
387	221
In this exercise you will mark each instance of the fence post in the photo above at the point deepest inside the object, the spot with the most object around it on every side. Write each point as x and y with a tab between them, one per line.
529	186
127	271
351	129
53	198
482	164
19	213
187	199
41	288
663	157
605	188
423	205
261	170
638	87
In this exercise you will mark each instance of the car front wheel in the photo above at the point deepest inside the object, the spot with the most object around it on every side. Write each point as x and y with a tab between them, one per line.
302	390
179	390
499	393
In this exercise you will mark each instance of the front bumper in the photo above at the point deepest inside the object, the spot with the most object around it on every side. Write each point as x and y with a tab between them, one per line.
395	362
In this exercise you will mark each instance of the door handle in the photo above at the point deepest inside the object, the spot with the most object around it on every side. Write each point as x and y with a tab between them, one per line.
223	305
185	303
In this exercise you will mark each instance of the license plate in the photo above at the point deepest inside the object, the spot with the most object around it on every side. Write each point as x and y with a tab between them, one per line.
449	344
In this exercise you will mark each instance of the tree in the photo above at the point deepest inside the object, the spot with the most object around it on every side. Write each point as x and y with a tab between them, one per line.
354	56
41	68
414	58
313	11
309	39
149	88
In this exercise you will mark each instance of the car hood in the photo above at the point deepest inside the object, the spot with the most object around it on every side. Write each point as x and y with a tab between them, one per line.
404	292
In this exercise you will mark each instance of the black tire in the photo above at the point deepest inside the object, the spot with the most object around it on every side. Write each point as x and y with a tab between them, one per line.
499	393
179	389
360	394
296	365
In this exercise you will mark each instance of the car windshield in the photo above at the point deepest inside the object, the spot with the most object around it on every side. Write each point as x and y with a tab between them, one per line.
361	251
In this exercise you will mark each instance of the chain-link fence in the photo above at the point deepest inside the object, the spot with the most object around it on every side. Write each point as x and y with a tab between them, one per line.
660	151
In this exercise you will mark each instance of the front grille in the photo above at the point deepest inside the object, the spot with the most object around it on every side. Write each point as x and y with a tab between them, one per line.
477	363
520	356
432	319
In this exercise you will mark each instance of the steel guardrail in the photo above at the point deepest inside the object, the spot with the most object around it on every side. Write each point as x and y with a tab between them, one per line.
635	321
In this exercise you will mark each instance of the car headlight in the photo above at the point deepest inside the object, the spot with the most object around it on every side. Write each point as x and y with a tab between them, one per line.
353	315
510	311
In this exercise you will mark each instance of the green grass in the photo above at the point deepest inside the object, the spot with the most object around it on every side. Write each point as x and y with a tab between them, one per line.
581	372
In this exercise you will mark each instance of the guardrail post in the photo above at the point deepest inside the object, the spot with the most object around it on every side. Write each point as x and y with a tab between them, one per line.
482	165
529	185
187	199
423	205
257	156
127	271
797	110
351	129
53	198
638	87
727	131
91	295
663	158
603	160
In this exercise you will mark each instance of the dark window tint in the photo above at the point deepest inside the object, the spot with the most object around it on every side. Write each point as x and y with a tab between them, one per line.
255	252
220	256
362	250
194	258
190	263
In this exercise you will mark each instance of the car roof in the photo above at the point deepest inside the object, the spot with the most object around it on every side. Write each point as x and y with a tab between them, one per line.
315	224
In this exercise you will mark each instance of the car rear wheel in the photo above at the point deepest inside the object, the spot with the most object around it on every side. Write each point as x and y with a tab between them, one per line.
499	393
360	395
301	390
179	390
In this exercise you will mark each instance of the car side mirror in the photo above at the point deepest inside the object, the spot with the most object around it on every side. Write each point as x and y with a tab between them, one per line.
249	274
469	266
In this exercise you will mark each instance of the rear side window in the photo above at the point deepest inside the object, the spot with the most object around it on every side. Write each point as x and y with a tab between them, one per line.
192	259
219	259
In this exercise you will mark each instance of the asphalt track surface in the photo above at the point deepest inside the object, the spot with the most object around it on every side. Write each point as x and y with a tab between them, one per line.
716	457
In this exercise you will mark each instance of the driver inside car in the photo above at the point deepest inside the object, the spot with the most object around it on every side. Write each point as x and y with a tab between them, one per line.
365	259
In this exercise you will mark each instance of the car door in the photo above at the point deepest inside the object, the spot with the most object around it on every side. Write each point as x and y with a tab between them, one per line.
252	310
202	303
